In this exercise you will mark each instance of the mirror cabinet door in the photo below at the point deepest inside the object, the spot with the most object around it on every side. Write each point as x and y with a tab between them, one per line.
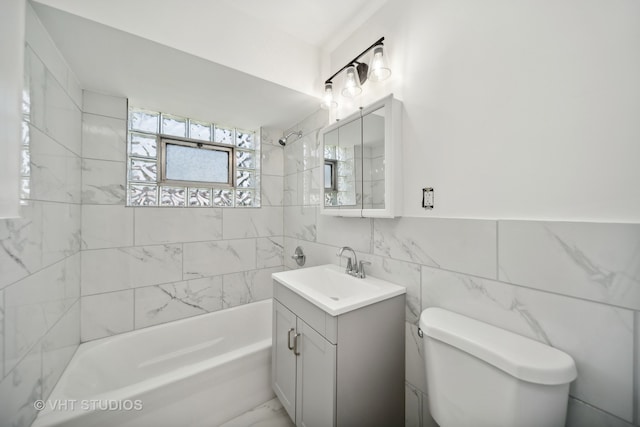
349	165
343	166
330	172
373	160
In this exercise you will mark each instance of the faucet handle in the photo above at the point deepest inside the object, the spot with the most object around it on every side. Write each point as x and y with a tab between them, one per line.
361	264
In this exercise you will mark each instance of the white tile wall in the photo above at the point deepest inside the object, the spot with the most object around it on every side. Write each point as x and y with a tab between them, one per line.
166	225
269	252
459	245
164	303
107	270
39	260
22	243
104	138
106	226
219	257
599	262
103	182
106	314
55	170
263	222
173	262
571	285
104	105
58	346
248	286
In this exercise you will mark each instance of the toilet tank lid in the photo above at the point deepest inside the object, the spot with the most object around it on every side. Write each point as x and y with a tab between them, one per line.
521	357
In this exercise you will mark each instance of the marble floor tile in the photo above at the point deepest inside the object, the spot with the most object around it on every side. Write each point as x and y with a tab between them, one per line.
269	414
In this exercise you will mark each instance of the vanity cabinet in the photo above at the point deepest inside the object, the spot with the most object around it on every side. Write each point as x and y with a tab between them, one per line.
345	370
362	162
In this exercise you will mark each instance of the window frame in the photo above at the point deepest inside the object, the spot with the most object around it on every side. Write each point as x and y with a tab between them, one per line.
334	174
193	143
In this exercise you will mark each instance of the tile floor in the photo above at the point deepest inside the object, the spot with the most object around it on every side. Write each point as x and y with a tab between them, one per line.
269	414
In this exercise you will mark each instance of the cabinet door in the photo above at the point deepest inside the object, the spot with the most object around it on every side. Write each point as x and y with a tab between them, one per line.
316	399
283	360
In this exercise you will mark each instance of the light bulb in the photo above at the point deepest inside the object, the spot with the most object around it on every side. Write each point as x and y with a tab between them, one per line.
327	100
352	83
378	69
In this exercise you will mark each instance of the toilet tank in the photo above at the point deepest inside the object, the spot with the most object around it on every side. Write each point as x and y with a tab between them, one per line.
480	375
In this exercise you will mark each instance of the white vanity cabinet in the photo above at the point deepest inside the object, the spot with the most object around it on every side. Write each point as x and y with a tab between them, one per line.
345	370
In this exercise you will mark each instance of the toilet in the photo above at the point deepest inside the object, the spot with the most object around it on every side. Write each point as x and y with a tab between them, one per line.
480	375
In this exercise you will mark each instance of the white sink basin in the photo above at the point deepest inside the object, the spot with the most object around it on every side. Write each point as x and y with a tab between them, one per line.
334	291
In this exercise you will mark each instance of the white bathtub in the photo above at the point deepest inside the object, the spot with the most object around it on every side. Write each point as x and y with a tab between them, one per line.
200	371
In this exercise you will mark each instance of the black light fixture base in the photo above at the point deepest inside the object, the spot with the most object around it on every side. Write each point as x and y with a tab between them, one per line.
363	72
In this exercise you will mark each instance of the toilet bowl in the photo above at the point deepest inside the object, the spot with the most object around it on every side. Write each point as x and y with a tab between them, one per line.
480	375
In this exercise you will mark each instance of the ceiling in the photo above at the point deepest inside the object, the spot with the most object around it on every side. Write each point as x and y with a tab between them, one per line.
140	51
321	23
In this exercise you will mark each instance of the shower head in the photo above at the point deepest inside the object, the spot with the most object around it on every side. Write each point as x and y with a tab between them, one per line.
283	140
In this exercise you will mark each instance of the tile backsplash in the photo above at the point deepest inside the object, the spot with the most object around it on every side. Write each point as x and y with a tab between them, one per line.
574	286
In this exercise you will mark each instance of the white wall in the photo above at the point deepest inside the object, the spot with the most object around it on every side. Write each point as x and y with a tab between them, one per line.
522	109
12	54
259	49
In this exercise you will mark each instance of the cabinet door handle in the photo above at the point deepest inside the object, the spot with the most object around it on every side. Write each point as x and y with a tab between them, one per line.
295	344
289	339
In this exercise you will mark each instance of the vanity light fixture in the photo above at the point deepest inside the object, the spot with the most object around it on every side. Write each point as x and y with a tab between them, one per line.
357	73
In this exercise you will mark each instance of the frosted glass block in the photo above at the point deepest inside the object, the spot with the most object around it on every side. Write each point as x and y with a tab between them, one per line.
172	196
143	170
199	197
345	153
143	195
223	198
143	145
245	159
245	179
346	198
223	135
175	126
330	152
26	103
199	130
245	139
346	169
196	164
244	198
331	198
145	121
25	162
26	136
25	188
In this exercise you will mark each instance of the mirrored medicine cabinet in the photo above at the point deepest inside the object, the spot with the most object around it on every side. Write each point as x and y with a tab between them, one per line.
362	155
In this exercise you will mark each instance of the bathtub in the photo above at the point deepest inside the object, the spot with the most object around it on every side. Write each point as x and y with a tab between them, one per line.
200	371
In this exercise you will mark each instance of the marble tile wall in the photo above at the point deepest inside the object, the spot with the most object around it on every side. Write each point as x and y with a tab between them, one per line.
40	251
146	266
574	286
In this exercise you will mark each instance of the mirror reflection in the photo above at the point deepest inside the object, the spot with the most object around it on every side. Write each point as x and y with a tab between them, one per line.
354	171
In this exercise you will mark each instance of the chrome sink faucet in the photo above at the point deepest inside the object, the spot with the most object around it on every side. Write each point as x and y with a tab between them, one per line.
355	268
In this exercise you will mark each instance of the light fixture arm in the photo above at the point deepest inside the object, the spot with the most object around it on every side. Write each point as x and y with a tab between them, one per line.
355	60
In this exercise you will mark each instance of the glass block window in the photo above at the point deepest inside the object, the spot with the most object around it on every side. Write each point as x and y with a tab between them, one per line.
179	162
